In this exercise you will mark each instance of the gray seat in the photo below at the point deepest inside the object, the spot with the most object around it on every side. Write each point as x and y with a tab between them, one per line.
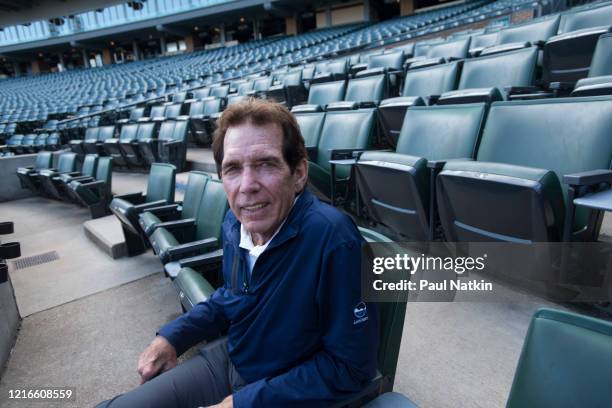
513	191
397	188
599	81
127	207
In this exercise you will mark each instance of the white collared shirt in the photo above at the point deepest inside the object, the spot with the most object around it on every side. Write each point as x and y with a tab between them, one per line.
254	251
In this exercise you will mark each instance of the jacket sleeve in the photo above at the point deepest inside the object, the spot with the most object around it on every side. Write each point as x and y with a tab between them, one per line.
347	358
205	321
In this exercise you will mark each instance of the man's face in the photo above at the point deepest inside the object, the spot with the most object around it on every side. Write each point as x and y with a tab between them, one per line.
258	182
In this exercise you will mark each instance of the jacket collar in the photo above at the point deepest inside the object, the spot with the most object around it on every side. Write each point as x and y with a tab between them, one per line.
290	228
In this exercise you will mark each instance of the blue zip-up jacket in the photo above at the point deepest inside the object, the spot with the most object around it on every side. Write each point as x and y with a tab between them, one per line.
298	331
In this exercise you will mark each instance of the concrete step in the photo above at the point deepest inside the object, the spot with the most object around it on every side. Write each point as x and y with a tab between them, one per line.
107	235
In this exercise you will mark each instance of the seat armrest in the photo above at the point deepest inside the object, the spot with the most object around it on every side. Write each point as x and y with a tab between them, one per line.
173	142
588	178
561	86
163	210
344	154
179	251
94	184
439	164
210	258
135	198
145	206
82	179
177	225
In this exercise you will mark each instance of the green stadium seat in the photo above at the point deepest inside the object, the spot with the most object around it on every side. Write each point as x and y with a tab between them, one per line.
66	164
96	194
28	176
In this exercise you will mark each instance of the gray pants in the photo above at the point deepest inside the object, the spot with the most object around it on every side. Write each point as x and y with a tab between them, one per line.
203	380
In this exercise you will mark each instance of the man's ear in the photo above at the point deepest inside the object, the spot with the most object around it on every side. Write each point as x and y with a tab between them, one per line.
300	175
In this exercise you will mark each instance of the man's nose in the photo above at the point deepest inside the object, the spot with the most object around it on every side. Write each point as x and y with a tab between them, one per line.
249	182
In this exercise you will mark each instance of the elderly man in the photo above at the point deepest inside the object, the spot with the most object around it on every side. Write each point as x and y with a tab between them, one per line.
298	333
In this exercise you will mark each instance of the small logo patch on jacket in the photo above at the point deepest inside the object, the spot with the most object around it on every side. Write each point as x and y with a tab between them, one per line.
360	312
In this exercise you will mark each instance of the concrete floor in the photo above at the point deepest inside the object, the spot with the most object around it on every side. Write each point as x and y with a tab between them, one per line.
87	319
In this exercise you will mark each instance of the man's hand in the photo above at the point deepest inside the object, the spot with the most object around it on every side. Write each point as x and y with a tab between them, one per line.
228	402
160	356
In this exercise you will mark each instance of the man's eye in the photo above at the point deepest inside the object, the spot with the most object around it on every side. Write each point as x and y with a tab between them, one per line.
229	170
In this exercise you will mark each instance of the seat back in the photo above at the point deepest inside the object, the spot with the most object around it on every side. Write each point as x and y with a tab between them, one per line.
484	40
106	132
211	211
160	185
310	127
540	30
179	97
166	131
366	89
293	78
453	49
565	362
234	99
344	130
41	140
326	92
196	108
516	68
92	133
129	132
212	105
15	140
601	64
392	60
585	18
337	67
157	111
104	171
66	162
89	165
442	132
180	131
431	81
28	140
145	131
201	93
245	88
194	193
220	91
543	134
262	84
172	111
43	160
136	114
53	139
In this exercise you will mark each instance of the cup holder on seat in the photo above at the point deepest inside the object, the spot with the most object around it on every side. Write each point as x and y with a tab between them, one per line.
10	250
6	227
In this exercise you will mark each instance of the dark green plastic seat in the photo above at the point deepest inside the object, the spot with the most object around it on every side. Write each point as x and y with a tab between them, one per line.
457	49
341	130
170	146
130	148
535	32
489	75
151	218
513	191
311	125
326	92
66	164
201	125
599	81
127	207
96	194
193	236
565	362
366	91
87	173
112	145
396	187
28	176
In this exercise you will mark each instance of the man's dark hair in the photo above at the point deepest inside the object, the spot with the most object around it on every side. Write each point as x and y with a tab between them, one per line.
261	112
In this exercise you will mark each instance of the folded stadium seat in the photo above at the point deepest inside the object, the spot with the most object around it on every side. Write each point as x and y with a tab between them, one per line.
13	143
428	83
363	92
156	216
536	32
571	370
88	172
198	94
311	124
28	176
321	94
179	97
482	41
567	56
343	132
78	145
451	50
27	144
112	145
157	113
96	146
41	142
185	238
130	149
335	70
220	91
96	194
53	141
484	78
290	91
397	188
135	114
261	85
390	63
200	122
526	150
599	81
127	207
245	88
173	111
49	182
170	144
